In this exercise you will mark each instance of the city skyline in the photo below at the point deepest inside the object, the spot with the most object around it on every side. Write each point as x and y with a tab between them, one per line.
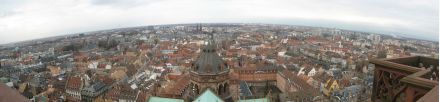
223	62
26	20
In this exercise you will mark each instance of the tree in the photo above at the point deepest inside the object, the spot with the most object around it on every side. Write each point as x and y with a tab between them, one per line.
108	45
81	35
102	44
382	54
326	35
156	41
72	47
353	36
112	44
139	42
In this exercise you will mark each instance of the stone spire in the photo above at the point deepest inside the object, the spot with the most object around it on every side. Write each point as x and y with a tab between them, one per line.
209	62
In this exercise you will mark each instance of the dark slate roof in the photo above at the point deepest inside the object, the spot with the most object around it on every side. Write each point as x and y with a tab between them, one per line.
97	86
244	89
209	62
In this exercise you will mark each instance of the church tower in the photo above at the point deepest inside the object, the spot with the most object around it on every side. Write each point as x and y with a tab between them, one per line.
209	71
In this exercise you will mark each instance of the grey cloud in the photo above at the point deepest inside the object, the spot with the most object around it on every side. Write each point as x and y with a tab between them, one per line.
123	3
7	7
410	17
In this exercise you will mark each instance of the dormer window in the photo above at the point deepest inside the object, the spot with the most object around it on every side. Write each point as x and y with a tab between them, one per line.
196	67
226	65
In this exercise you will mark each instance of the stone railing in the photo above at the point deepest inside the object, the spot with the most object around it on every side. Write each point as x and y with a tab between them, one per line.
404	79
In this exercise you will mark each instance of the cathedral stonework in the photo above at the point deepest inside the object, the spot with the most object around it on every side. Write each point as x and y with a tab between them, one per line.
209	71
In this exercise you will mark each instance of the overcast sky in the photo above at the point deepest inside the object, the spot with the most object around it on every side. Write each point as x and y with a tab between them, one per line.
31	19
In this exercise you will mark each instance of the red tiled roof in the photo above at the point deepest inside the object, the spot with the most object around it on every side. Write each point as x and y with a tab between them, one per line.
300	84
74	83
107	80
173	77
178	87
142	97
113	94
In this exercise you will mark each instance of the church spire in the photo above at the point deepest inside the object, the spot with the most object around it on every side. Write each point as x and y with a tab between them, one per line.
210	46
211	37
